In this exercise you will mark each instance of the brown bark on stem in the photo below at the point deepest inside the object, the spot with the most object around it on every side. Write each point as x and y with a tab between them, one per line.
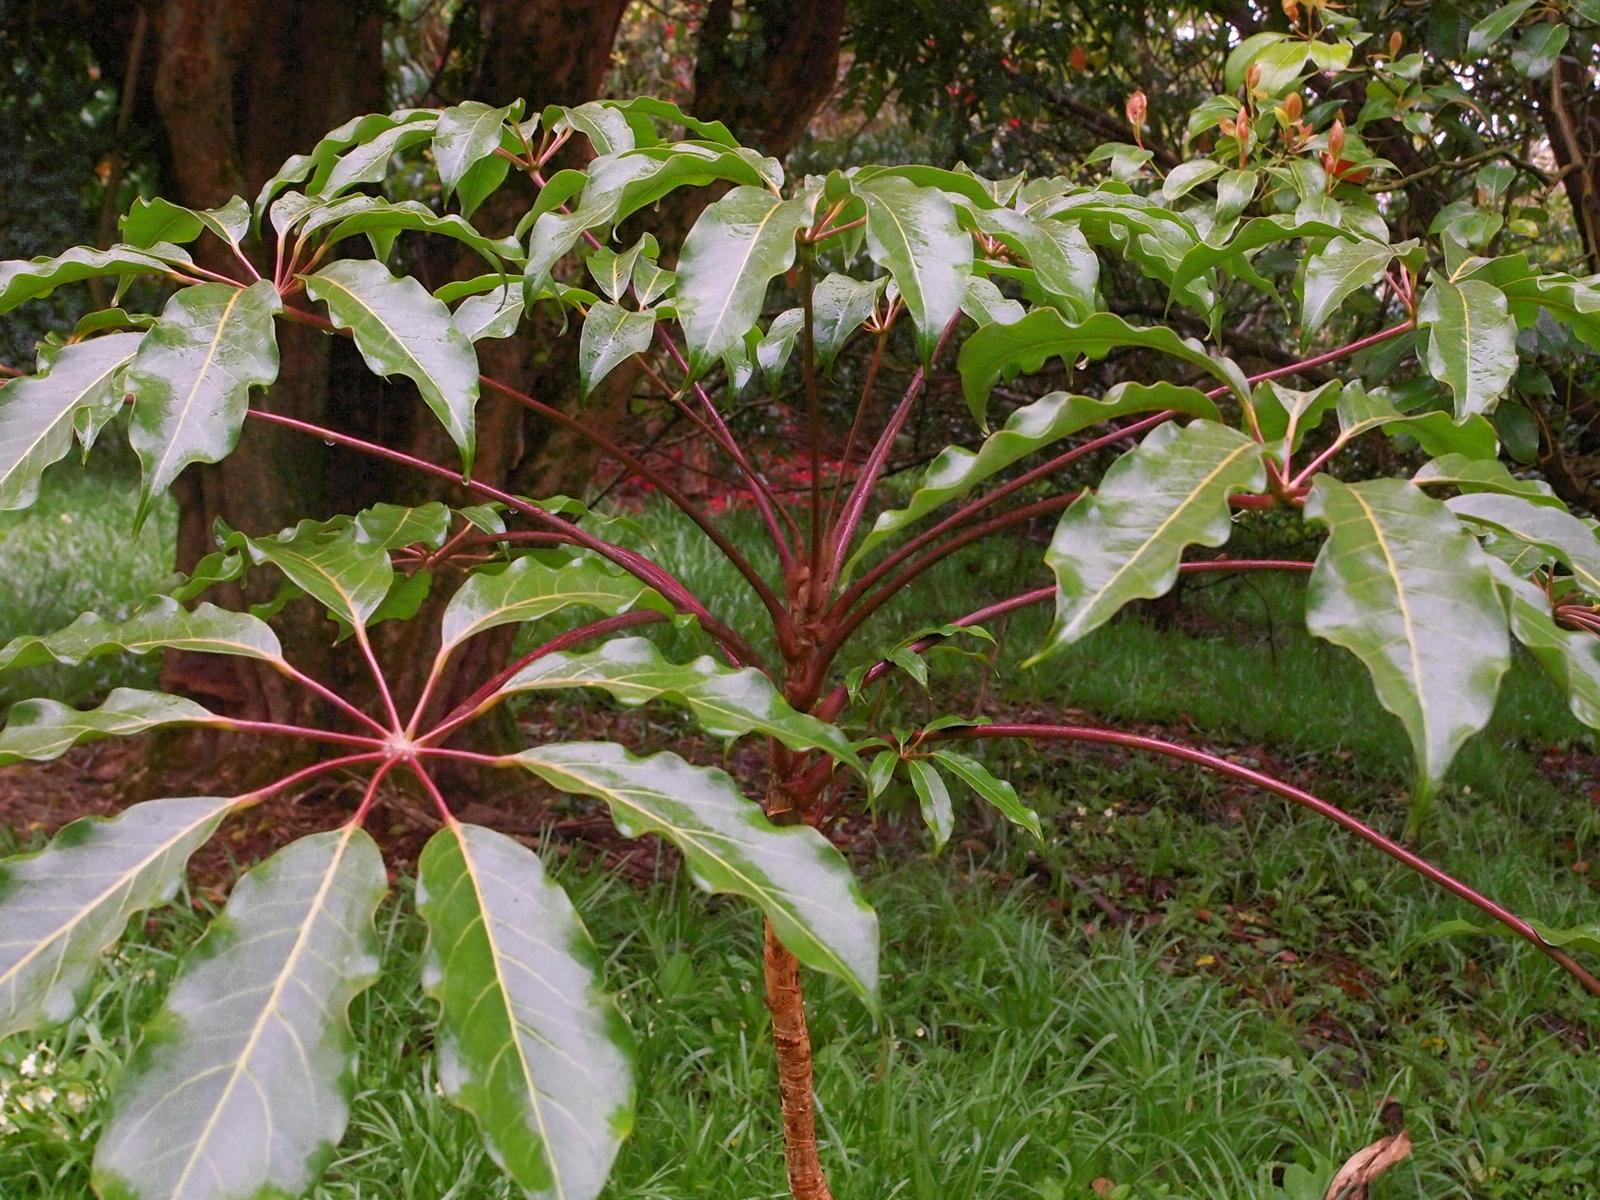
792	1041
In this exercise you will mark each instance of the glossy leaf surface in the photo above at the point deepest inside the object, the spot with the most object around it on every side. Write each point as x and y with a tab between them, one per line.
1472	342
529	1044
163	624
44	729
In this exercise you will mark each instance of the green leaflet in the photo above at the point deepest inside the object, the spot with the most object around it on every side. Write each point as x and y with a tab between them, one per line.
1495	26
1001	351
730	256
24	279
162	624
332	563
38	413
839	306
319	164
44	729
1032	427
1064	265
528	1042
1403	587
1124	541
791	873
382	219
1253	235
493	314
536	585
1482	475
1336	271
151	222
1361	411
611	336
1553	530
60	908
1571	656
464	135
393	526
612	272
241	1085
1287	414
192	376
726	702
933	798
995	791
1472	342
402	330
913	233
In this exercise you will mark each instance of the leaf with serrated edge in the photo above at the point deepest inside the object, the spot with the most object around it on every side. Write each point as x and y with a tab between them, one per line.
1032	427
402	330
611	336
44	729
192	376
725	701
241	1085
913	233
1472	342
1124	541
60	908
791	873
1403	587
528	1043
1554	530
38	412
730	256
537	585
163	624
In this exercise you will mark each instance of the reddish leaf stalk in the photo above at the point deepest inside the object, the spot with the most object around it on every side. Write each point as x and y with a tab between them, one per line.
311	772
1213	762
731	644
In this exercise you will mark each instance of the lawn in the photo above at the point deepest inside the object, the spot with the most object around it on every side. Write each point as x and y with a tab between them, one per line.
1187	990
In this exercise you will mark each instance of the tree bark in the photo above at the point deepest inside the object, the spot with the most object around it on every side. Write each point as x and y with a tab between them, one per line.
1571	115
792	1041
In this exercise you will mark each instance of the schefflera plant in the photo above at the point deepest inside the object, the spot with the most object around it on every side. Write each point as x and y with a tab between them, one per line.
1426	578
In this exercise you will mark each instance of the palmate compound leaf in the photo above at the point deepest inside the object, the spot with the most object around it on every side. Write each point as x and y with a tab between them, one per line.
401	329
1401	585
192	376
39	413
738	244
528	1042
538	584
725	701
241	1085
60	908
163	624
1032	427
792	873
1124	541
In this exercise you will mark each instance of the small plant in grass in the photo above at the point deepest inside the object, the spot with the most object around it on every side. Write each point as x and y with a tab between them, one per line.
240	1086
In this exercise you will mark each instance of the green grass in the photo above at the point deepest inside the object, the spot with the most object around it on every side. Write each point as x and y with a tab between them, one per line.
1030	1045
76	551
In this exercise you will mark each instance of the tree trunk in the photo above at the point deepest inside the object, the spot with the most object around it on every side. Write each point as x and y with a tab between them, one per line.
792	1041
1571	113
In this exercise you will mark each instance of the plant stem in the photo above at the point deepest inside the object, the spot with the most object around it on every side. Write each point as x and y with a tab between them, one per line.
371	793
791	1041
315	769
856	505
378	677
304	733
328	694
1213	762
